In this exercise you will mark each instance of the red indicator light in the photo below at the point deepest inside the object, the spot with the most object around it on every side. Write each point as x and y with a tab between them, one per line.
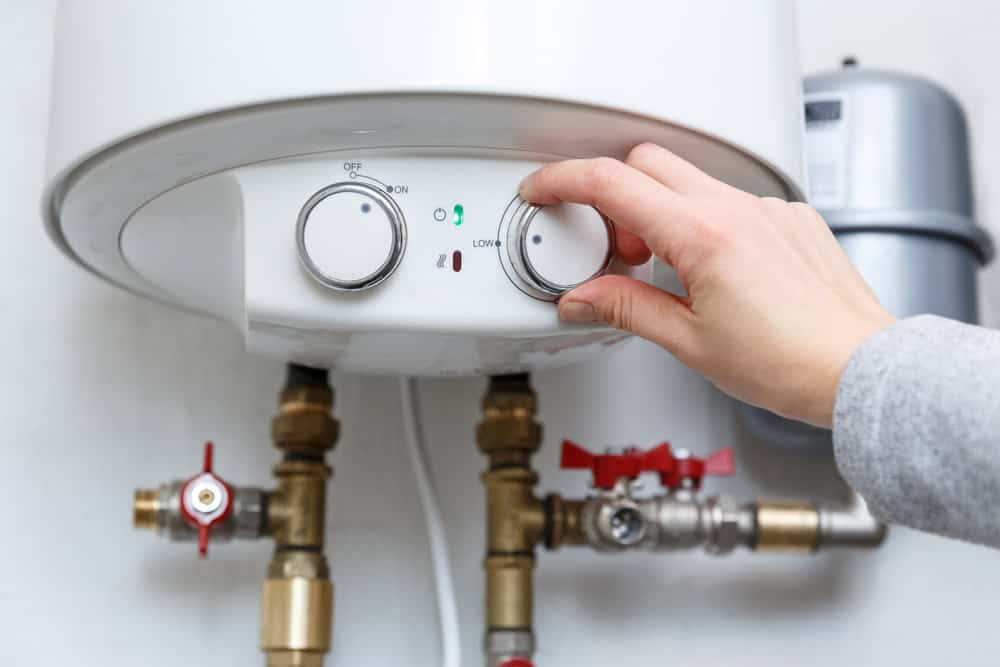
456	261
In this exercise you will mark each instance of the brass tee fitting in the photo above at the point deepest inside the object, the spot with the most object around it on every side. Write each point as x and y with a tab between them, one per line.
516	520
297	601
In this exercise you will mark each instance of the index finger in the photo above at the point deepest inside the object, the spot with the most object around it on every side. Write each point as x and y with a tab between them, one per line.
634	201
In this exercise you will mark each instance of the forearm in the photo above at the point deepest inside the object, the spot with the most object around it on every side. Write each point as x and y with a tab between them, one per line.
916	427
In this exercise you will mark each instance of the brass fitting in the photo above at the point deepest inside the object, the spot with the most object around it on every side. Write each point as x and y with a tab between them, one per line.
787	526
515	521
145	508
296	511
564	522
297	610
509	434
304	424
297	601
515	518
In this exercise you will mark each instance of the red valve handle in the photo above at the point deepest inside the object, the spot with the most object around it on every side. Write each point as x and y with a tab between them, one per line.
517	662
206	500
609	468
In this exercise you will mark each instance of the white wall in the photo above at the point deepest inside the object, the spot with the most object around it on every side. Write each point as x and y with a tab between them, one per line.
103	392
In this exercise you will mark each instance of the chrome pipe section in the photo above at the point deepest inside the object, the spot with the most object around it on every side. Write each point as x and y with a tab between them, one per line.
666	523
853	526
503	647
616	522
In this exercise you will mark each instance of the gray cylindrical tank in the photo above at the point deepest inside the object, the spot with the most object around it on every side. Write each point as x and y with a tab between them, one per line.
889	170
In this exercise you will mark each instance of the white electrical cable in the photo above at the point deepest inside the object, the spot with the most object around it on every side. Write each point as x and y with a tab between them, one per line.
451	647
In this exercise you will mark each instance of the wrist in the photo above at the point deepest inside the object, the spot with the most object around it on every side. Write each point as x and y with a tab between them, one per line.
820	409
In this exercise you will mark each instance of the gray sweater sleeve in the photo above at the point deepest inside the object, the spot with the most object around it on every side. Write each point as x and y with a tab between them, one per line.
917	427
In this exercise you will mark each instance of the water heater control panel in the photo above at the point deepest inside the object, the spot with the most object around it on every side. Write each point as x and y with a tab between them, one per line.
392	260
351	236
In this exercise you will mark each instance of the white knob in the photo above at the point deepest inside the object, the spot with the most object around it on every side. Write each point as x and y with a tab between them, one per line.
553	249
350	236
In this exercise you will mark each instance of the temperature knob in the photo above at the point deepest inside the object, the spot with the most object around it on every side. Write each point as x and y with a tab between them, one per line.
350	236
552	249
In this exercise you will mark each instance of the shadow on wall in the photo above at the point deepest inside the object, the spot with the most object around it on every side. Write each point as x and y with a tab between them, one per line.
806	472
176	571
617	595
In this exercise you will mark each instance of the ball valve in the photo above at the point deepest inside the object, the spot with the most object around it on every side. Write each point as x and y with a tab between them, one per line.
677	468
615	519
206	501
201	508
297	597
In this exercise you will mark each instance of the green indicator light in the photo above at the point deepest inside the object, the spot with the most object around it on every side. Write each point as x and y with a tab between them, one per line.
459	216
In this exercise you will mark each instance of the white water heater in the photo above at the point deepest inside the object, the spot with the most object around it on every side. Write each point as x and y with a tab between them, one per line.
339	180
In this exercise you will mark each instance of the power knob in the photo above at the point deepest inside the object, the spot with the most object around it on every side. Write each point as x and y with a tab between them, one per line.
552	249
350	236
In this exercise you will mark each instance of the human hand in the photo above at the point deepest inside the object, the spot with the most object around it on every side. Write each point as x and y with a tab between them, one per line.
774	309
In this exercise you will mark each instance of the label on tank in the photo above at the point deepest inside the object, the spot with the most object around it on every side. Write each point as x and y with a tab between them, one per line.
826	149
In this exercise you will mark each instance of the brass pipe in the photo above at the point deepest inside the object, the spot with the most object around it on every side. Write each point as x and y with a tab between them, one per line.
297	606
787	526
297	600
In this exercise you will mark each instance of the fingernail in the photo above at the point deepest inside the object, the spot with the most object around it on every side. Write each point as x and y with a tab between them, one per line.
577	311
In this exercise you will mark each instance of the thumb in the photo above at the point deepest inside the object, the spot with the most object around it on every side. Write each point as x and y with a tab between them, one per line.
634	306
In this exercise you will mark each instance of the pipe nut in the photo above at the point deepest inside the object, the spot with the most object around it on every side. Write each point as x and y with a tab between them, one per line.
729	525
305	431
509	433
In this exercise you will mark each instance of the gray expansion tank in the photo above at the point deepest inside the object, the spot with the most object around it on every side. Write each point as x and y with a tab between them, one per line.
889	170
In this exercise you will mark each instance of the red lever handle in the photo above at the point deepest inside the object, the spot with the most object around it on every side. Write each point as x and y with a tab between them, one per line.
206	500
517	662
609	468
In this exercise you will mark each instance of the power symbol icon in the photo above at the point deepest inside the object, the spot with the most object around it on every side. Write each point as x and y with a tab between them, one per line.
440	214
